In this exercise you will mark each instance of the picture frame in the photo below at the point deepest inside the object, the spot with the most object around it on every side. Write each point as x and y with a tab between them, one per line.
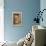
17	18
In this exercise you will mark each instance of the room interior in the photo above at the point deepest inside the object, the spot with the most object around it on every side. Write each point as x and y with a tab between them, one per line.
22	30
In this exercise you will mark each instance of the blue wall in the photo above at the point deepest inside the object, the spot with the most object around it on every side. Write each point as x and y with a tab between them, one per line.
28	8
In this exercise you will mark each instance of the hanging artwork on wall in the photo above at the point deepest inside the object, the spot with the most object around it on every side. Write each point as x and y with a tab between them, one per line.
17	18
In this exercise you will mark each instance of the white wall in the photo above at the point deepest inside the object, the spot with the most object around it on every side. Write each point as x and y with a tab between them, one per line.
1	20
43	6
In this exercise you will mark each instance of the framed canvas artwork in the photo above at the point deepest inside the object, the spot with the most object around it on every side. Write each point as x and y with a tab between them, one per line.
17	18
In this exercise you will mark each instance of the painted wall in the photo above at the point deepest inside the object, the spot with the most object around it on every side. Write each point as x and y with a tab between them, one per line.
1	20
28	8
43	6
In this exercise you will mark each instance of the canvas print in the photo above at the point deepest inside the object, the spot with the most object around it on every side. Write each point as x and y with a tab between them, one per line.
17	18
